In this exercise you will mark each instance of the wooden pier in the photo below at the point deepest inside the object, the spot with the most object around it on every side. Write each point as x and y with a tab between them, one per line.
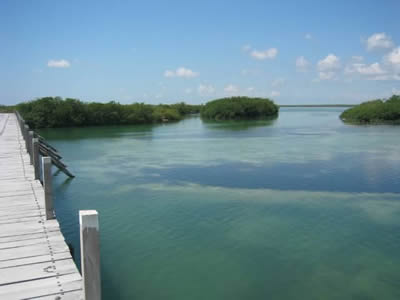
35	261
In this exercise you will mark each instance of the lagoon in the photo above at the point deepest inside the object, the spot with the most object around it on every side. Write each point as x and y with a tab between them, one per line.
301	207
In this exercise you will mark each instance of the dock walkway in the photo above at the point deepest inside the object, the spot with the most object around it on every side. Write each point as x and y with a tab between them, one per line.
35	261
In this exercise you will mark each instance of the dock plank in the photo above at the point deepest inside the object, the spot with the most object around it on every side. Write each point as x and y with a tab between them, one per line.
35	261
45	289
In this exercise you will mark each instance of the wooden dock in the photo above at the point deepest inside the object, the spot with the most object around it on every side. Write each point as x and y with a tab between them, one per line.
35	261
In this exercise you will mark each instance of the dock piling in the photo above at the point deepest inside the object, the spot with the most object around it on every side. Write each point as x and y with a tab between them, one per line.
48	199
30	148
90	254
35	157
26	129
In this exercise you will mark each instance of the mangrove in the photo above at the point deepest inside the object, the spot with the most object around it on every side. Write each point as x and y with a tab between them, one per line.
239	108
379	111
50	112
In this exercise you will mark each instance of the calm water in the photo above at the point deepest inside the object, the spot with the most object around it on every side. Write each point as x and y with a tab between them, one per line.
303	207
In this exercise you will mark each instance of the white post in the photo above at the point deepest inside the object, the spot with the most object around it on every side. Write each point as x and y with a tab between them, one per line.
26	130
35	157
90	254
22	127
30	148
48	199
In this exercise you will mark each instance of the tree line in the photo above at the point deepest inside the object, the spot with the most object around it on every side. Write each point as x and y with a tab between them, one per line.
51	112
6	109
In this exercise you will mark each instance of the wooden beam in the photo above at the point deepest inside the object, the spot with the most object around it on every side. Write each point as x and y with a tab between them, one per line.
42	140
62	167
55	153
45	152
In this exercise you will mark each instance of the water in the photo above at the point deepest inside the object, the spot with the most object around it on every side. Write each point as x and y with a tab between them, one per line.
303	207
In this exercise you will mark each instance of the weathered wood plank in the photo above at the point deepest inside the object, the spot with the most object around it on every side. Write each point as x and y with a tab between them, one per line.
27	228
35	261
47	288
34	219
32	238
29	236
37	271
33	250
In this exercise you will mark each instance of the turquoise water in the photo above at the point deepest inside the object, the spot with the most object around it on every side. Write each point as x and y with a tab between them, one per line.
302	207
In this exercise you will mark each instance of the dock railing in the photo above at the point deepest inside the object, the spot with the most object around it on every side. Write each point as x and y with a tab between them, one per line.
42	157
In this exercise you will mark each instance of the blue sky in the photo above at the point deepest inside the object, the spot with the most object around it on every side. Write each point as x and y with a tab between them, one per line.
170	51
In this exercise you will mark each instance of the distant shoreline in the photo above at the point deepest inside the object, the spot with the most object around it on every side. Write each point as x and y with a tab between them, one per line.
318	105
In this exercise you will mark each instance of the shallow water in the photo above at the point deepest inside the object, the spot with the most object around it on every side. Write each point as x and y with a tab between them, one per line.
303	207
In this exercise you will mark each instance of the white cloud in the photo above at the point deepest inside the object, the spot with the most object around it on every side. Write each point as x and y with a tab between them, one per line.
393	57
62	63
181	72
250	89
205	89
328	66
385	77
326	75
278	82
275	94
329	63
302	64
379	41
231	89
308	36
388	70
395	91
266	54
364	69
188	91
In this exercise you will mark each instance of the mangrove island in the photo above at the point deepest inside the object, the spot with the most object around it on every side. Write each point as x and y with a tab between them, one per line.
379	111
239	108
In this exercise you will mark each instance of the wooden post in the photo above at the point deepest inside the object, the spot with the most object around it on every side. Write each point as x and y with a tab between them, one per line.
48	199
35	157
90	254
26	129
30	148
23	129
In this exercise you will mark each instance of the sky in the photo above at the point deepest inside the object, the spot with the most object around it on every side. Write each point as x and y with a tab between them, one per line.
294	52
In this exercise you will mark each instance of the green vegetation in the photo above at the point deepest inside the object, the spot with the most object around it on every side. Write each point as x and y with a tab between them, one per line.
380	111
6	109
55	112
237	108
